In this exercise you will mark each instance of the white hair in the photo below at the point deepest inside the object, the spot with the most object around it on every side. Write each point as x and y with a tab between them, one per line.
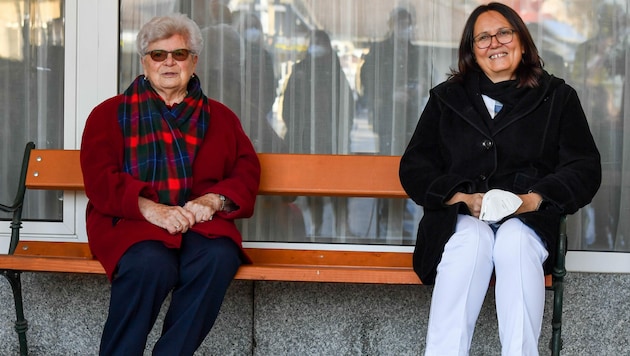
163	27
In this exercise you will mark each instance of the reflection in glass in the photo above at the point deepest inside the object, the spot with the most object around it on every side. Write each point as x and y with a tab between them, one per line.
31	98
390	56
259	85
317	110
599	76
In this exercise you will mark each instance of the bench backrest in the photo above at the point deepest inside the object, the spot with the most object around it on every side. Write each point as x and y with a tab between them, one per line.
282	174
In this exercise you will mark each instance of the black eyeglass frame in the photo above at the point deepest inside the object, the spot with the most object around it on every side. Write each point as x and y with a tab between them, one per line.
500	32
180	54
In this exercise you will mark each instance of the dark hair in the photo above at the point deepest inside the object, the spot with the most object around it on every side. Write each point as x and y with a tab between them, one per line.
529	70
320	37
247	20
400	13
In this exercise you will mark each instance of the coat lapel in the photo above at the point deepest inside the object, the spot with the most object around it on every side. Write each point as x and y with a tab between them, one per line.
458	98
530	102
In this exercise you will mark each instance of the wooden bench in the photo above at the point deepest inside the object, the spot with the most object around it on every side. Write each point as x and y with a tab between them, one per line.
318	175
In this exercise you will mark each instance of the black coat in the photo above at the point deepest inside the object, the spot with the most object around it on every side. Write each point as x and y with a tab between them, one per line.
318	106
389	69
542	144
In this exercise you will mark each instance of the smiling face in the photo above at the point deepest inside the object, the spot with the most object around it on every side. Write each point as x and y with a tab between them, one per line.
498	61
169	77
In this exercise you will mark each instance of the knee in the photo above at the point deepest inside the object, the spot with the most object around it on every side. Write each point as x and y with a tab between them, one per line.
473	234
149	260
472	241
222	253
516	241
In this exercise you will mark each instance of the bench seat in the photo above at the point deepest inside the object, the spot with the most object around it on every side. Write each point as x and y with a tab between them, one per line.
268	264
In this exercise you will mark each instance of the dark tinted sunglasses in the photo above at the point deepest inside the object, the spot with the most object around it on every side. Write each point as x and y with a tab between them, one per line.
160	55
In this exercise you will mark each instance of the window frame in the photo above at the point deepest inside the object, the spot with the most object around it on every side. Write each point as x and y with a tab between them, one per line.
88	79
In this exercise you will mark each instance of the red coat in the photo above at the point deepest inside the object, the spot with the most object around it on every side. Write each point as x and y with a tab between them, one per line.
226	164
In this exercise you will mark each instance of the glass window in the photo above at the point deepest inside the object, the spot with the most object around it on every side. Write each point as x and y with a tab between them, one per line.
32	94
598	69
352	76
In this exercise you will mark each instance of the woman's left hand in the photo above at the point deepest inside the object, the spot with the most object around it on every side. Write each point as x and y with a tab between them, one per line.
204	207
531	202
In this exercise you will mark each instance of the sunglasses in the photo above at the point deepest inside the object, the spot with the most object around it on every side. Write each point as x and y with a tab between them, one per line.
160	55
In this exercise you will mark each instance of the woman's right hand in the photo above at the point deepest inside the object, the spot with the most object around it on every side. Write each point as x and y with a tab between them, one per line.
473	201
174	219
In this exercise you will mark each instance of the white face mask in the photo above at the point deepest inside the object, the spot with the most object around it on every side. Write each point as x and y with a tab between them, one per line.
317	51
252	35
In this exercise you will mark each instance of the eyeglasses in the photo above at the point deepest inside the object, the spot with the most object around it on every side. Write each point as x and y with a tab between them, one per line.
160	55
503	36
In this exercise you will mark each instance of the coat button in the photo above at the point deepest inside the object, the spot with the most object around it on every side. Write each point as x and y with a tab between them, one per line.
487	144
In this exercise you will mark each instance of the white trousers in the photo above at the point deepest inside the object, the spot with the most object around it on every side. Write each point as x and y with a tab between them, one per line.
516	254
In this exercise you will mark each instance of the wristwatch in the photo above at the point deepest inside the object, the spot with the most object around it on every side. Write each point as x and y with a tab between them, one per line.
222	197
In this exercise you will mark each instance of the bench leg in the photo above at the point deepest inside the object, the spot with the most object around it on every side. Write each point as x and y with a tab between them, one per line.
558	273
556	323
21	325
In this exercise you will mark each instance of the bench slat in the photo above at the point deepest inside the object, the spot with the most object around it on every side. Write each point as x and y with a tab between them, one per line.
34	263
54	169
262	256
330	258
328	274
282	174
246	272
330	175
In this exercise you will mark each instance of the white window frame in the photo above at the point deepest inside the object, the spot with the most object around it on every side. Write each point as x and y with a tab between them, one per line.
91	64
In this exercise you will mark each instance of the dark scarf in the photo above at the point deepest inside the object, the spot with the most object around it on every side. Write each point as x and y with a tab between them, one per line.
161	142
506	92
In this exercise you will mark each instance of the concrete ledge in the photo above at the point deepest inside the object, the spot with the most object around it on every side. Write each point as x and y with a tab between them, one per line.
66	314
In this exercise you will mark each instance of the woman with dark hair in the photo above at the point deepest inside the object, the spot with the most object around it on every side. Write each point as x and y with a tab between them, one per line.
527	72
501	152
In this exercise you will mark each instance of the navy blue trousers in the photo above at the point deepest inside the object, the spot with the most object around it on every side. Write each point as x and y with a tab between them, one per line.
198	274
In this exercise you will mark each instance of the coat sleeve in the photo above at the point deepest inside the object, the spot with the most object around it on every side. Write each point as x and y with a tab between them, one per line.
240	176
422	171
577	175
110	191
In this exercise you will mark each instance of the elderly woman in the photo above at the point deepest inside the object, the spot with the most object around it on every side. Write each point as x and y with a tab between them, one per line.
499	124
166	171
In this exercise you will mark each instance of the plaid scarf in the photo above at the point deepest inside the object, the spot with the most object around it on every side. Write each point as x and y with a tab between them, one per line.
161	142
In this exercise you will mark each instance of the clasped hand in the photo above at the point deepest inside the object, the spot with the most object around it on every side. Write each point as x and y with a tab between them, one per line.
531	202
178	219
